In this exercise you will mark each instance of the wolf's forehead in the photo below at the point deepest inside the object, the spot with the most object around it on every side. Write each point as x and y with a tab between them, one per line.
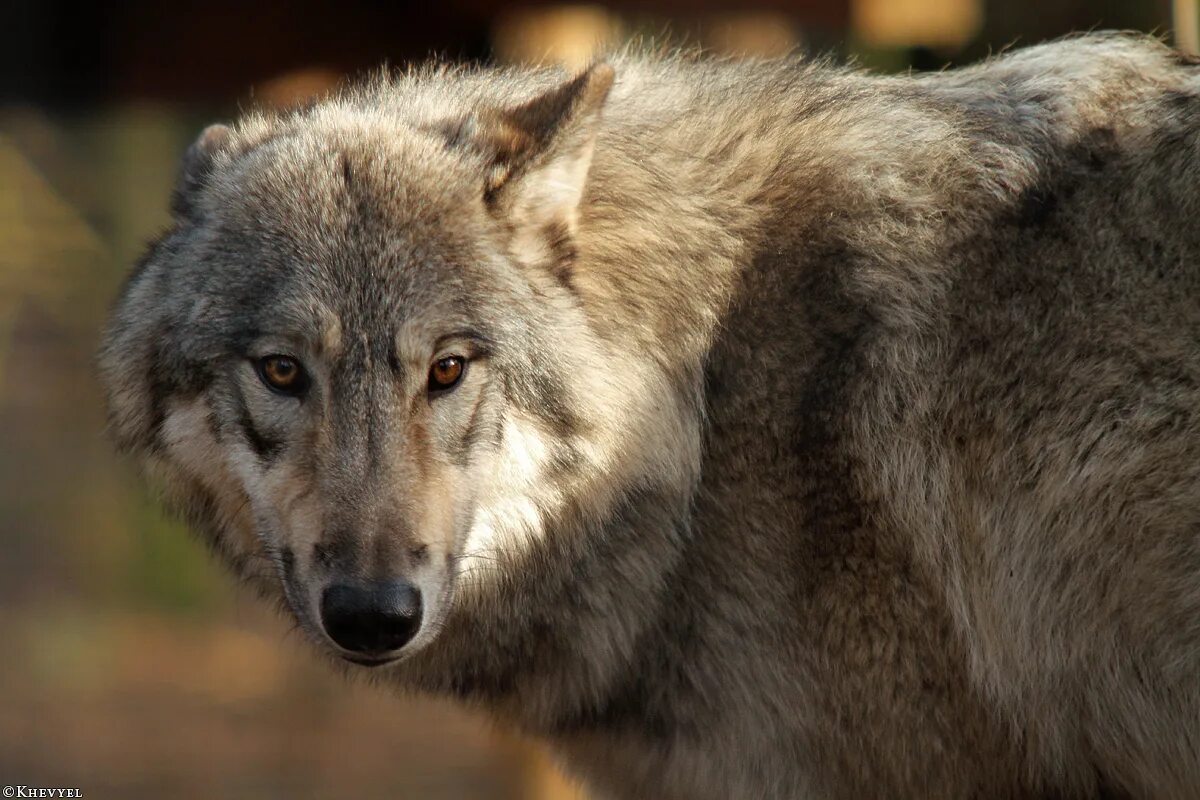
352	165
343	200
351	231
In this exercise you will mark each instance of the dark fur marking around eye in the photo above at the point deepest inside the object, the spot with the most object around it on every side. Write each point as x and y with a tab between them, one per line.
266	447
472	435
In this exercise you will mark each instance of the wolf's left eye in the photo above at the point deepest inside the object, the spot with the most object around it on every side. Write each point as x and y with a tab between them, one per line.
282	374
446	373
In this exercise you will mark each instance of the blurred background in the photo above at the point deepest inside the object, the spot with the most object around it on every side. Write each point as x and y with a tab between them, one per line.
130	665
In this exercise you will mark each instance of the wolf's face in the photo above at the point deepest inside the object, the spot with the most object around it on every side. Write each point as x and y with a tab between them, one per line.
355	361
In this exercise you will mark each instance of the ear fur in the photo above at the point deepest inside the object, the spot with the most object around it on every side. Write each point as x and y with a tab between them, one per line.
556	127
540	153
196	166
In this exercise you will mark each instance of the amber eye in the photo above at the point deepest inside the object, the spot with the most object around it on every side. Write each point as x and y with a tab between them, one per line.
444	374
283	374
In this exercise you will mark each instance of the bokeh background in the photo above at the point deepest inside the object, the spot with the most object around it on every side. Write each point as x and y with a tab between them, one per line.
130	665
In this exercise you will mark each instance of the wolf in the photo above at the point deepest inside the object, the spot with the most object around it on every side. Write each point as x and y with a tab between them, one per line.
760	429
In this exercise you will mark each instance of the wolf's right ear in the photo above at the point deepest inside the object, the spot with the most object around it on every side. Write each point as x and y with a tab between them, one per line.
196	167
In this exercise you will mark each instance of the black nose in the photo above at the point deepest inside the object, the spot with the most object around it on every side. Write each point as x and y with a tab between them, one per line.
374	619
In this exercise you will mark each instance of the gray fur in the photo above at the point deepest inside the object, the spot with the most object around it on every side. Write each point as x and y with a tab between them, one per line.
824	435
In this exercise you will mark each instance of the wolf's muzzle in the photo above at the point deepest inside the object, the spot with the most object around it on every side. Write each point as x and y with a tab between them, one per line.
373	620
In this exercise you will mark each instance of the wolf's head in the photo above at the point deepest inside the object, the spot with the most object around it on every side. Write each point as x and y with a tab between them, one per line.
358	362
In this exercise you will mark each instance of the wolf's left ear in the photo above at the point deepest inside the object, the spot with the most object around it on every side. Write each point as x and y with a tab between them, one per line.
540	153
196	167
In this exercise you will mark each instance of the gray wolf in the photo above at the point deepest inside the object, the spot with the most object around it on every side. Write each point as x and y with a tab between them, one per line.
760	429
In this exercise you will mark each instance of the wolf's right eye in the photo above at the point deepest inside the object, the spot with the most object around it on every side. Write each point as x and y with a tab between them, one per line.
282	374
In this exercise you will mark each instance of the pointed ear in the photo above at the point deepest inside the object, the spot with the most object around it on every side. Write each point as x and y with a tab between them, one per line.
540	153
196	166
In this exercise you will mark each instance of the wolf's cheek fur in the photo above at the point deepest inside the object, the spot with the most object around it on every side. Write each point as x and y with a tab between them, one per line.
193	468
633	426
512	499
259	515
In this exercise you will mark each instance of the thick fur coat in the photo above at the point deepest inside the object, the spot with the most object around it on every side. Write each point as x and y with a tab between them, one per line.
819	434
